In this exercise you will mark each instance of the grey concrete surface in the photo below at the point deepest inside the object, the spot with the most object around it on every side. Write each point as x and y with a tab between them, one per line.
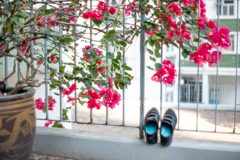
121	143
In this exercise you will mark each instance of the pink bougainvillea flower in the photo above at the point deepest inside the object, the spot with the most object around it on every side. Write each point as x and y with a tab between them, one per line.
224	31
86	56
39	62
102	7
112	98
166	74
213	58
212	25
86	15
70	99
1	47
46	124
53	59
94	95
112	10
94	103
98	15
175	8
67	91
127	13
39	104
51	102
85	93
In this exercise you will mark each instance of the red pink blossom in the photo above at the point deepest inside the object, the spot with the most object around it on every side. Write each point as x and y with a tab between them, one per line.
48	123
166	74
69	90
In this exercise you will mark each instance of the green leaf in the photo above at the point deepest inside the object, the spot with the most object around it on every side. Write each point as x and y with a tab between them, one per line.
102	82
153	59
150	68
150	51
185	53
17	21
163	6
109	55
176	37
44	109
52	70
28	4
195	40
97	22
119	55
158	66
6	23
61	69
110	36
151	42
123	43
185	41
128	68
158	55
145	43
42	8
205	31
82	102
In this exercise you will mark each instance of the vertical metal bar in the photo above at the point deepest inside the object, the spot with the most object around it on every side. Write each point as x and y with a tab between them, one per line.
32	40
123	93
6	69
142	73
91	114
236	87
6	59
189	92
107	71
60	63
217	73
161	63
198	73
46	62
179	71
75	61
18	64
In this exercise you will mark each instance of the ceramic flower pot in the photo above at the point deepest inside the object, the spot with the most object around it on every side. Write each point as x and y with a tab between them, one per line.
17	125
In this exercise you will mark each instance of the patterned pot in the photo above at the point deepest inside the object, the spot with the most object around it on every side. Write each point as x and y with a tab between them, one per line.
17	125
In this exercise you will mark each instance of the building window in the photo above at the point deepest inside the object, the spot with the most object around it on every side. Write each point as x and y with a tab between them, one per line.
225	8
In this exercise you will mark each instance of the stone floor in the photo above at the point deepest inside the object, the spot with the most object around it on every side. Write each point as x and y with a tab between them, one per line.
46	157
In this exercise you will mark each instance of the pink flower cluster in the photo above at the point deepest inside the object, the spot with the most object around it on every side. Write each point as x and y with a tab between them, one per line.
53	59
220	38
25	47
175	8
40	104
97	14
166	74
87	58
111	98
69	90
42	20
203	55
174	29
129	8
48	123
99	62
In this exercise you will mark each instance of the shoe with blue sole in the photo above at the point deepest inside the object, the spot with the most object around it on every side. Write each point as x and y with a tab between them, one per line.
151	126
168	124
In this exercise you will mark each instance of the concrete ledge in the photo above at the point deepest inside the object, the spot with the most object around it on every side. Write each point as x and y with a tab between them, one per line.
89	145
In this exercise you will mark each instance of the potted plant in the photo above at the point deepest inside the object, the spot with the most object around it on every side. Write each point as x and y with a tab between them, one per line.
94	73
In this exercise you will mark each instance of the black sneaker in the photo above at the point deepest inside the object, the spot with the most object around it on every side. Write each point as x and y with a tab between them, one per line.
168	124
151	126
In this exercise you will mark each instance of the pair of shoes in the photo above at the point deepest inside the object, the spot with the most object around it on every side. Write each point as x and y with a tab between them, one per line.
168	124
